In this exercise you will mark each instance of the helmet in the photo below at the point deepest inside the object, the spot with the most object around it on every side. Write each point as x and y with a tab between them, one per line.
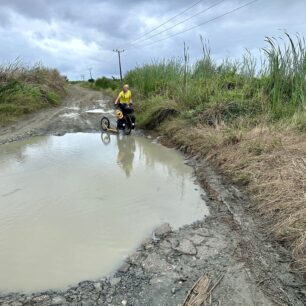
119	114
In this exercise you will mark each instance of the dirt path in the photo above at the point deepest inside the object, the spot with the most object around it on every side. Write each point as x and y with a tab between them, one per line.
71	116
229	245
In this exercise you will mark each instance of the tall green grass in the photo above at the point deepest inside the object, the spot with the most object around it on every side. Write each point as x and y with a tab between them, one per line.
285	76
273	87
25	89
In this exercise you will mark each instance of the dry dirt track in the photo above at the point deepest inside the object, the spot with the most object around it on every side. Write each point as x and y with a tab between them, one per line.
71	116
229	244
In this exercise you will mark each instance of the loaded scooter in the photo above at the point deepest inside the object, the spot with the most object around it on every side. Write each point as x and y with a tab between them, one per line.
125	121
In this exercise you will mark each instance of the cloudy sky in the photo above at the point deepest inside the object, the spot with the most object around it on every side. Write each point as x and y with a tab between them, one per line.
73	35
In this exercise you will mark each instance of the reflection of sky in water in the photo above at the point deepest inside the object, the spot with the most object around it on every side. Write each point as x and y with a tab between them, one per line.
72	207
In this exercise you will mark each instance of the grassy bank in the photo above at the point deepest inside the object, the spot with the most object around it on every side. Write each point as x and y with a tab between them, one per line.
247	117
24	90
271	88
267	162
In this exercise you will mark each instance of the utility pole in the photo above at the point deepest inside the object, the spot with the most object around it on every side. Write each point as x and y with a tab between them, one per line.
119	57
90	72
82	77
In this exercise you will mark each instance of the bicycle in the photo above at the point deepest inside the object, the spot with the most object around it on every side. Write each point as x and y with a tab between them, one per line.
124	122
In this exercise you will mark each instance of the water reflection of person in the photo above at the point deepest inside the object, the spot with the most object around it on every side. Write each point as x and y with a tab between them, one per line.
126	151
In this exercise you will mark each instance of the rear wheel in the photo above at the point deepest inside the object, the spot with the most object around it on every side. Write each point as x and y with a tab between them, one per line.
105	124
128	125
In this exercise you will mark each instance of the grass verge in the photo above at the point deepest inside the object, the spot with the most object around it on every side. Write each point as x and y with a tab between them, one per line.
24	90
268	162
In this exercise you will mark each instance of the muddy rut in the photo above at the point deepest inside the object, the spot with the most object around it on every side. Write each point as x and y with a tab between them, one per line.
242	264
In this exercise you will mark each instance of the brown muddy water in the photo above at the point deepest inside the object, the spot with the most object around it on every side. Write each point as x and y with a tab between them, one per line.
74	207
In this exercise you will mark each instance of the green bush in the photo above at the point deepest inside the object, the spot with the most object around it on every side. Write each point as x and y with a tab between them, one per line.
106	83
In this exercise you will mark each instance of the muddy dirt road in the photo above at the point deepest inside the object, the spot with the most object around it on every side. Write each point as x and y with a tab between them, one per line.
70	117
243	265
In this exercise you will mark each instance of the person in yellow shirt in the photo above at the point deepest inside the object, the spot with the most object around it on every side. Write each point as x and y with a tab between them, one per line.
125	96
125	102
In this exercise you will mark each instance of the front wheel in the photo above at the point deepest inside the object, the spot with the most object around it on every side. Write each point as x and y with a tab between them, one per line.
105	124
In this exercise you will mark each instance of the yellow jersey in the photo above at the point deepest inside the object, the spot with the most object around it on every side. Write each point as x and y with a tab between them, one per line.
125	97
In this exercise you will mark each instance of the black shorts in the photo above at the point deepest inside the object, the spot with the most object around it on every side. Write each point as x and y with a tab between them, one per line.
126	108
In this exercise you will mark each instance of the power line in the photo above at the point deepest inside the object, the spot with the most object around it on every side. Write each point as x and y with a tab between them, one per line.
167	21
119	60
201	24
181	22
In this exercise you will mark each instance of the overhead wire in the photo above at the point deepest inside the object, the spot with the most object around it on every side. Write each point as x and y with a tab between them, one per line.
199	25
181	22
167	21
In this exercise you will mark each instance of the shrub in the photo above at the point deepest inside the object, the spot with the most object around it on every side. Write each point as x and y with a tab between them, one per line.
106	83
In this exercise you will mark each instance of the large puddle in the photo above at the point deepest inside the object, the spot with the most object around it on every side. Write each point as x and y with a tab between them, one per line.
73	207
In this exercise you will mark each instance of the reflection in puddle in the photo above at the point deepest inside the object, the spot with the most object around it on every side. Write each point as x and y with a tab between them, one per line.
126	152
72	208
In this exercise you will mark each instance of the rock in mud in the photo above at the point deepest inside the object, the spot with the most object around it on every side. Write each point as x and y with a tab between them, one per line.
197	239
58	300
173	290
147	243
115	280
135	258
163	230
109	299
174	242
124	268
98	286
41	298
156	264
186	247
87	286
